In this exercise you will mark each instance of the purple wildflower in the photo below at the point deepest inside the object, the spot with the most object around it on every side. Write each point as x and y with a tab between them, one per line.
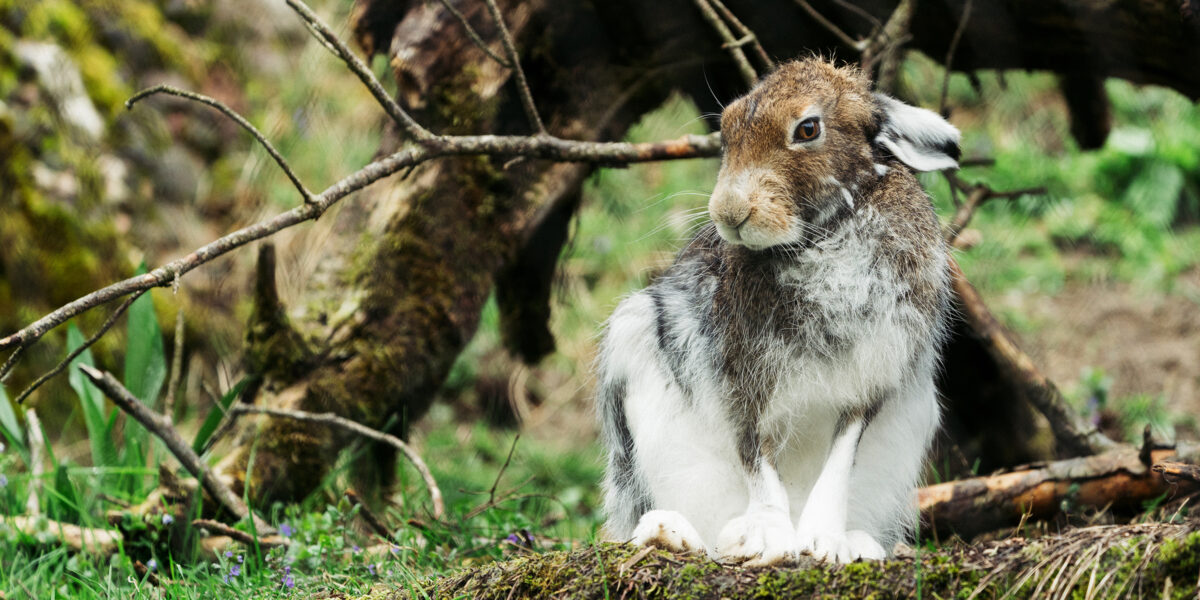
513	538
286	530
167	519
239	559
371	568
355	548
229	554
152	564
235	570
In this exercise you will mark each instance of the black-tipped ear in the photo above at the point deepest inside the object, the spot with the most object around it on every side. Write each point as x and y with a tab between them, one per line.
920	138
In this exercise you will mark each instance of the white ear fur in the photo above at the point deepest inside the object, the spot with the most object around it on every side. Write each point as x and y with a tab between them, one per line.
920	138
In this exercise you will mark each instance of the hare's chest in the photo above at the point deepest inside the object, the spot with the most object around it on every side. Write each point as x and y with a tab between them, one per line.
847	337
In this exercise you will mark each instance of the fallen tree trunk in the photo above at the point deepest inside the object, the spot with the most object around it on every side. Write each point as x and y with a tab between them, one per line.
1122	480
1100	562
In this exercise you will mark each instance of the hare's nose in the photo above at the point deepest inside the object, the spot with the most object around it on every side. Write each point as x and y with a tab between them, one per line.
732	214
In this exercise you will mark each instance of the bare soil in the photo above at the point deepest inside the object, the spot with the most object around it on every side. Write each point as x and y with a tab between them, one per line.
1147	341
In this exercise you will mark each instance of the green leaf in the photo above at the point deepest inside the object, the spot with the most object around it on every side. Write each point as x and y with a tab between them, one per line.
145	359
13	432
214	416
104	451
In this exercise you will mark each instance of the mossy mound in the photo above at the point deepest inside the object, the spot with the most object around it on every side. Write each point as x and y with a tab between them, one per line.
1159	560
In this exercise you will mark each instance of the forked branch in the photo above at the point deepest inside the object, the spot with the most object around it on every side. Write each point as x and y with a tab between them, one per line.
435	493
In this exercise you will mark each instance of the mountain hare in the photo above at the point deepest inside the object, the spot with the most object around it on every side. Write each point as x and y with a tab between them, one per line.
773	392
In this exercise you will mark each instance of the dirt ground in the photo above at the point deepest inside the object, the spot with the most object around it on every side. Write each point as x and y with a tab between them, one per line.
1148	343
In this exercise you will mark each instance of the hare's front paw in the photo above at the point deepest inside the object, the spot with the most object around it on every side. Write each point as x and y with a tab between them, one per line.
843	547
668	530
757	539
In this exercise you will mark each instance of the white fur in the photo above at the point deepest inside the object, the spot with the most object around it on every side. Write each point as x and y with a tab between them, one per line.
844	504
916	135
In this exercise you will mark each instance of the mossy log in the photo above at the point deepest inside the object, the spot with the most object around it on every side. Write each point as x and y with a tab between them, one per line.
1153	560
438	242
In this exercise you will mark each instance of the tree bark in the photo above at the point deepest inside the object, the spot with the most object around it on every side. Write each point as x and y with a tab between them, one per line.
380	339
1119	480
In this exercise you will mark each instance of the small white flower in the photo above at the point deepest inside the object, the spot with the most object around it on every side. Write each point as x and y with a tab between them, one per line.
167	519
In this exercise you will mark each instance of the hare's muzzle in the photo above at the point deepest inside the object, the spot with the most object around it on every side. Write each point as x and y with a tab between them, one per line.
750	210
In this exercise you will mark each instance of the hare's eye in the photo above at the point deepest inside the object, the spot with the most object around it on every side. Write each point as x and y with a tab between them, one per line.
807	130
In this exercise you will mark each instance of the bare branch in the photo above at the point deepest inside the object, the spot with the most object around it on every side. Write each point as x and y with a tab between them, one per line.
6	370
236	118
748	36
162	428
330	40
875	23
1173	472
545	147
504	467
977	194
435	493
958	32
730	42
1073	436
112	319
372	520
176	360
515	63
237	535
884	47
474	35
844	37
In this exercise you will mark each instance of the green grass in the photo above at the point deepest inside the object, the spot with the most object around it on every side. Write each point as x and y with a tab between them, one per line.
1125	213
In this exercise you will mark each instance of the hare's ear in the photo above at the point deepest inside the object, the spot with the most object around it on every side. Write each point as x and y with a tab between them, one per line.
920	138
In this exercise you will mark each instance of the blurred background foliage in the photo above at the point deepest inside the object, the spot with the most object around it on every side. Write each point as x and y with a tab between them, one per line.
1099	277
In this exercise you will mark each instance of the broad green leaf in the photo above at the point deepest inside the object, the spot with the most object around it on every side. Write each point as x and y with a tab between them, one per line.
214	416
104	451
145	360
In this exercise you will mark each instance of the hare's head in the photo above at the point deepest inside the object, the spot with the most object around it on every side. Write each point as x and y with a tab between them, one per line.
803	143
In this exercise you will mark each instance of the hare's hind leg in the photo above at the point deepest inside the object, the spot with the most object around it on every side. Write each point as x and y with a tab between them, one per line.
671	467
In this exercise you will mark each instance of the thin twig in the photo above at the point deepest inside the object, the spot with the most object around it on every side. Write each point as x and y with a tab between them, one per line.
884	46
112	319
474	35
176	360
219	528
162	428
748	36
730	42
6	370
335	44
875	23
958	32
514	60
511	449
372	520
545	147
144	572
236	118
845	38
435	493
977	195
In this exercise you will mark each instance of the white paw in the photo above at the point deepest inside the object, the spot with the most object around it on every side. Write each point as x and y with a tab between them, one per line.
841	547
668	530
757	539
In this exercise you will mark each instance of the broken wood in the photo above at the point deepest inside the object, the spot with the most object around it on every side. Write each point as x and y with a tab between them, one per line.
1118	479
79	539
